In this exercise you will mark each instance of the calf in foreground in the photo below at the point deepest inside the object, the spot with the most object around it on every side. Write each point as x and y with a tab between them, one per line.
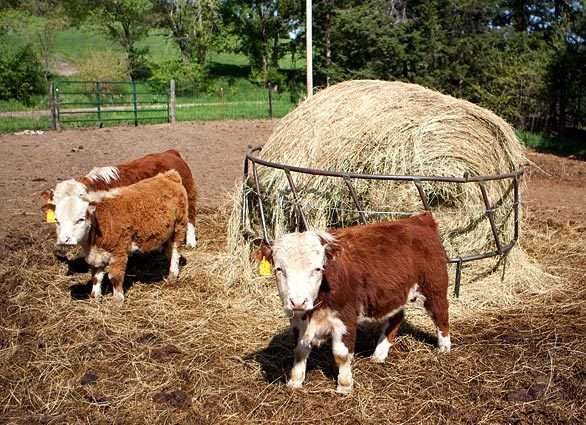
69	206
138	218
328	281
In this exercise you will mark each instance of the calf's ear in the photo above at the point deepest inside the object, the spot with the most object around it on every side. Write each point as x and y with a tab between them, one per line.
91	209
47	198
265	251
327	240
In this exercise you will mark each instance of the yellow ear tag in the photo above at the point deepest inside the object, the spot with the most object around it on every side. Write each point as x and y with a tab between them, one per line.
51	216
264	267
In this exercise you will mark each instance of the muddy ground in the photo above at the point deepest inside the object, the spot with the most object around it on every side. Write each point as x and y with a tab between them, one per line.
201	352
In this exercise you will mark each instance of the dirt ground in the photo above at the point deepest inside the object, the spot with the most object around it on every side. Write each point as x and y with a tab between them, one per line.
201	352
30	164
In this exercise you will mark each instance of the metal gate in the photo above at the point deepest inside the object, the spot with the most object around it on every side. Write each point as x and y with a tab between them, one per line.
85	102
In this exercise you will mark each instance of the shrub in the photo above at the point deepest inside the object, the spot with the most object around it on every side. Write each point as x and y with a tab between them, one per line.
192	76
21	74
104	66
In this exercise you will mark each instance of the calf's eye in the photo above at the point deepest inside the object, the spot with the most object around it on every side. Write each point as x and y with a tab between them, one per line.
278	269
318	270
79	221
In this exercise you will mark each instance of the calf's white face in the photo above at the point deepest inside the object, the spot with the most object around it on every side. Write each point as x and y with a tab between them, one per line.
71	212
73	222
299	260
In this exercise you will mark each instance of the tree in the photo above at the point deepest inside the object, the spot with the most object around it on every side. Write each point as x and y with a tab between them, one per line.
566	74
367	41
261	27
21	74
193	24
126	22
39	32
519	58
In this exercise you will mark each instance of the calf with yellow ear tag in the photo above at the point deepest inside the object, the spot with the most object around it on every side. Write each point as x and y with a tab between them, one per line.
49	206
264	256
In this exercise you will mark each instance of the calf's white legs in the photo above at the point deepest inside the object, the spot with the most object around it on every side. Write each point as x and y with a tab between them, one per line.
174	266
443	342
116	275
344	361
300	364
438	310
97	284
191	236
382	349
389	333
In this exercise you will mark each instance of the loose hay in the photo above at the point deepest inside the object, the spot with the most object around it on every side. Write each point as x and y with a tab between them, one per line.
376	127
201	352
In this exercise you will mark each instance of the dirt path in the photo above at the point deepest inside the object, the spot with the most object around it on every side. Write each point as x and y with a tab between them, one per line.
557	189
30	164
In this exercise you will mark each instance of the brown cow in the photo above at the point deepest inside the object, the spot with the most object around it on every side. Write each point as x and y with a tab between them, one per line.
138	218
68	205
328	281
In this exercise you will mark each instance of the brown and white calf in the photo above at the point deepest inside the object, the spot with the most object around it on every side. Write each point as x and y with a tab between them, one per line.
69	206
328	281
142	217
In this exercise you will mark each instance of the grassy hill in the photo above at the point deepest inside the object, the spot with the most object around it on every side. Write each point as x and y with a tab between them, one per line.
75	44
230	93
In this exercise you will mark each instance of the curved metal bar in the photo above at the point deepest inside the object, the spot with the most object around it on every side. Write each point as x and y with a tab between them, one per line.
489	211
260	205
296	200
355	199
501	250
329	173
422	194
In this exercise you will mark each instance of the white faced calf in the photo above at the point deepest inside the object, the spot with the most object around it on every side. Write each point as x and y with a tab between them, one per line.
142	217
327	281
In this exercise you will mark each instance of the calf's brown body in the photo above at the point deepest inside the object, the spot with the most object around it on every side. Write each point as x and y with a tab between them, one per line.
141	217
369	271
149	166
65	200
372	268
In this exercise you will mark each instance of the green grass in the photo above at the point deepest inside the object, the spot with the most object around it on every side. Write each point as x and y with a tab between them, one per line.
14	124
76	44
38	102
571	144
218	109
199	109
229	95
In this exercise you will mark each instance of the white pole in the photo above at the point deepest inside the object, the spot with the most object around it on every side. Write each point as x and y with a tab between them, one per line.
309	47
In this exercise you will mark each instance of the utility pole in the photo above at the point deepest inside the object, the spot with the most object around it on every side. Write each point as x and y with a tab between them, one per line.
309	47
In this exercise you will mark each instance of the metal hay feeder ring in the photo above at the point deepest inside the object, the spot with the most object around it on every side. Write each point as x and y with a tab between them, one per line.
251	161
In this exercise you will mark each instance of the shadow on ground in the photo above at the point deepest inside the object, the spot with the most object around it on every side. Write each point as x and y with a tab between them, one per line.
276	360
144	268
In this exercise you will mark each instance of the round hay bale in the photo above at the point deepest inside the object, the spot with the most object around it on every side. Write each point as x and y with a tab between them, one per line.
394	128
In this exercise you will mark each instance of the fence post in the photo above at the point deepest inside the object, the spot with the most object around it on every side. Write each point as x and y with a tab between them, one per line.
99	102
222	103
134	109
172	104
270	87
53	107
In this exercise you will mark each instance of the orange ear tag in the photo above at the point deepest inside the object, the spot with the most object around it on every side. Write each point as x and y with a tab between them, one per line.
264	267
